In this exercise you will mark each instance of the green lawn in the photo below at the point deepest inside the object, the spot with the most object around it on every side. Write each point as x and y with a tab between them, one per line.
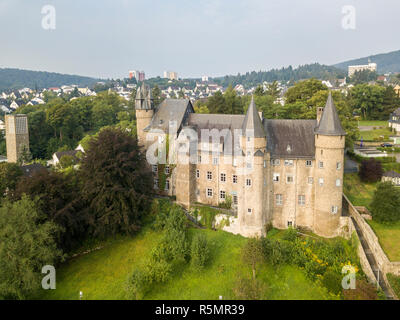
359	193
375	134
101	274
373	123
389	238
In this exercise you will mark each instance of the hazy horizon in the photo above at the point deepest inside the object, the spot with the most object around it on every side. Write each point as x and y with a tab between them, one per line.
106	39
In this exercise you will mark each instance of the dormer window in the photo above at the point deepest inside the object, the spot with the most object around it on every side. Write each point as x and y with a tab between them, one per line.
288	148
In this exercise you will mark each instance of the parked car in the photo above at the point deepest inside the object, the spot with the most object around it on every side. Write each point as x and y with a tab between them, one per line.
386	145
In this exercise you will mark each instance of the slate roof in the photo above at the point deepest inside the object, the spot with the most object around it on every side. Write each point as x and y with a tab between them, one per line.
290	138
391	174
30	169
330	125
170	110
252	121
71	153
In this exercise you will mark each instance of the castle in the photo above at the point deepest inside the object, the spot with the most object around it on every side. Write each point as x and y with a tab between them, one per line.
283	172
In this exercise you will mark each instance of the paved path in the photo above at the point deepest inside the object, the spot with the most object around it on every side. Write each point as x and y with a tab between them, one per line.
372	262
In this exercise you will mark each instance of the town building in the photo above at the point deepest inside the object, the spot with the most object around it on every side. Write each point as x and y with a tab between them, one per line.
17	136
394	120
391	176
283	172
370	66
171	75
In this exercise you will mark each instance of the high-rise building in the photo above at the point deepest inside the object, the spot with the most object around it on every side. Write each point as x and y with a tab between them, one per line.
17	136
171	75
138	75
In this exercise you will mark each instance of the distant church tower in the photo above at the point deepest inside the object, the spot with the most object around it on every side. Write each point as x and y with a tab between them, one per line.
329	155
17	136
144	106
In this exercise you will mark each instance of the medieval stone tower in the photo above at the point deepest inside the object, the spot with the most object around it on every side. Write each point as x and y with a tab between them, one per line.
253	141
17	136
144	106
329	155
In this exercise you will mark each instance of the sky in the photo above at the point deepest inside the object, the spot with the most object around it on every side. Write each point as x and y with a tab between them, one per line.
107	38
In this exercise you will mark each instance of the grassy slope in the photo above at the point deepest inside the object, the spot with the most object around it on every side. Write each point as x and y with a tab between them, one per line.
101	274
361	194
372	134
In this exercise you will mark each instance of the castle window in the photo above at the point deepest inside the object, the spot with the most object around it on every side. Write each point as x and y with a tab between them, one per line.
275	162
166	184
302	200
209	175
338	165
197	192
249	210
248	165
321	164
209	193
156	184
223	177
248	139
154	168
334	209
276	177
338	183
321	181
248	182
234	178
235	200
166	170
199	159
288	163
222	195
290	224
308	163
278	199
197	173
289	179
265	164
215	161
234	162
310	180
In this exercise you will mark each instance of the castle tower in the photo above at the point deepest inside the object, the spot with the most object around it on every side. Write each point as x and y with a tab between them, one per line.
17	136
144	106
329	158
253	141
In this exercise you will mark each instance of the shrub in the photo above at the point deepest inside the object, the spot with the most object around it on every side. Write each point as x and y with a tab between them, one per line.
199	251
290	234
227	204
158	270
249	289
332	281
137	284
370	170
252	254
385	205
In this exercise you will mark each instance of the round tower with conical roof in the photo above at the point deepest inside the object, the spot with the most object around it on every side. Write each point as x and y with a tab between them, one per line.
251	206
144	106
329	158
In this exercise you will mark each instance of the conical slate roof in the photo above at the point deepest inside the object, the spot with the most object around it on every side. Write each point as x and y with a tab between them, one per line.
252	121
330	125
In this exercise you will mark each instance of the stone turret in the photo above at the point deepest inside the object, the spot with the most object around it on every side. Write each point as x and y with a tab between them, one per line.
144	106
329	158
254	143
17	136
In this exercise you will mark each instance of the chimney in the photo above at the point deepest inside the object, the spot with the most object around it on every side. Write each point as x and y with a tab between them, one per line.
319	114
